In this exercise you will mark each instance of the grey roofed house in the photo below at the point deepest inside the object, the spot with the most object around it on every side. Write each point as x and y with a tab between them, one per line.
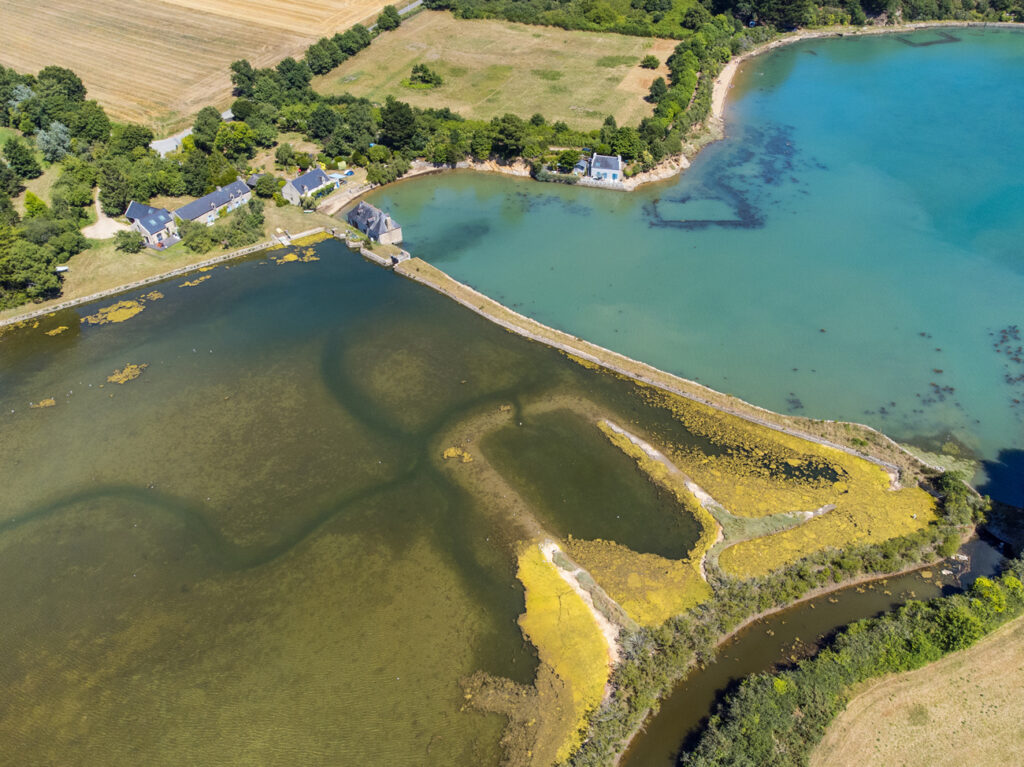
606	168
154	224
254	179
375	223
207	207
152	220
308	183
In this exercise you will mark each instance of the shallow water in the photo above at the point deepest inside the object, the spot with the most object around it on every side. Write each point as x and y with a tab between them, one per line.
852	250
253	553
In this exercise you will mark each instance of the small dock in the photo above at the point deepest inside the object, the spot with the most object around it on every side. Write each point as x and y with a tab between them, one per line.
388	256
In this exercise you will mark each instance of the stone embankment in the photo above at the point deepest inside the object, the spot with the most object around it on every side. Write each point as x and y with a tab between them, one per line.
50	309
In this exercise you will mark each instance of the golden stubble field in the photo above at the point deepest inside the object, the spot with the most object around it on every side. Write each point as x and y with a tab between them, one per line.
159	61
493	67
964	709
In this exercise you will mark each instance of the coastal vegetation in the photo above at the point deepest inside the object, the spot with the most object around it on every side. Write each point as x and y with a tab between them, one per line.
962	709
779	718
562	628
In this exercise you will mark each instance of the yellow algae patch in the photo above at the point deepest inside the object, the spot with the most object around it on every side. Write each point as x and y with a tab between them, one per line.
305	255
48	402
119	312
867	518
207	268
155	295
650	588
312	239
559	624
57	331
196	281
755	471
456	452
128	373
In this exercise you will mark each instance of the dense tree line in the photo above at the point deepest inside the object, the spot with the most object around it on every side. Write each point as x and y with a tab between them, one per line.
777	719
656	658
679	18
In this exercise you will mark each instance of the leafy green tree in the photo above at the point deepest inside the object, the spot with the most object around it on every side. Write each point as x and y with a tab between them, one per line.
323	121
398	124
127	137
567	159
509	135
659	89
236	140
266	186
285	155
89	122
353	40
205	128
424	75
389	18
650	62
35	207
27	272
295	74
242	109
243	77
20	158
195	171
129	241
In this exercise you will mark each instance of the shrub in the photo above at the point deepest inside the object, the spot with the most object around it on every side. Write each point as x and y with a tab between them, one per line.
650	62
129	241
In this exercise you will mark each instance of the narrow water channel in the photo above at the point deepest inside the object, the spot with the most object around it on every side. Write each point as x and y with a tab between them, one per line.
783	638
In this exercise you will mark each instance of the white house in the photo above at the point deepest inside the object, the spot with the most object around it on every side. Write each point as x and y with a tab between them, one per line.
606	168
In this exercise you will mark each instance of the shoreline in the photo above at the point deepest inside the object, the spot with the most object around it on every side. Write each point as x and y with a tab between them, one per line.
180	271
589	354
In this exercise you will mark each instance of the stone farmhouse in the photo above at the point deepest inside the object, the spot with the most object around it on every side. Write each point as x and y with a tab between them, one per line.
207	208
307	185
375	224
156	225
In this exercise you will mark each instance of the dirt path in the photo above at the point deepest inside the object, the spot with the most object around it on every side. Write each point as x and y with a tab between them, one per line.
608	629
105	227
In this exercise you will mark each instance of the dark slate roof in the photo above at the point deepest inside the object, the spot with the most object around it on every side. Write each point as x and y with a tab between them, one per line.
212	201
251	181
153	220
370	220
310	180
604	162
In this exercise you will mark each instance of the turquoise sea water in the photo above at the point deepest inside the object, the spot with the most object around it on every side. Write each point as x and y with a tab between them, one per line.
852	249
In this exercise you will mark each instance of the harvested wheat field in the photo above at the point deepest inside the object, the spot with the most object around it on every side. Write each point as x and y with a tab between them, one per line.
493	67
964	709
159	61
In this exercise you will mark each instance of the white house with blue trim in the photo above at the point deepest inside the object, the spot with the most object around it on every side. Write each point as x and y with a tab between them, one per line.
606	168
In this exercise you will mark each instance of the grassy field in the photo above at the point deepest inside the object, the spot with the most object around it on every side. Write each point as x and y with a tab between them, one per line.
493	67
160	61
965	709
